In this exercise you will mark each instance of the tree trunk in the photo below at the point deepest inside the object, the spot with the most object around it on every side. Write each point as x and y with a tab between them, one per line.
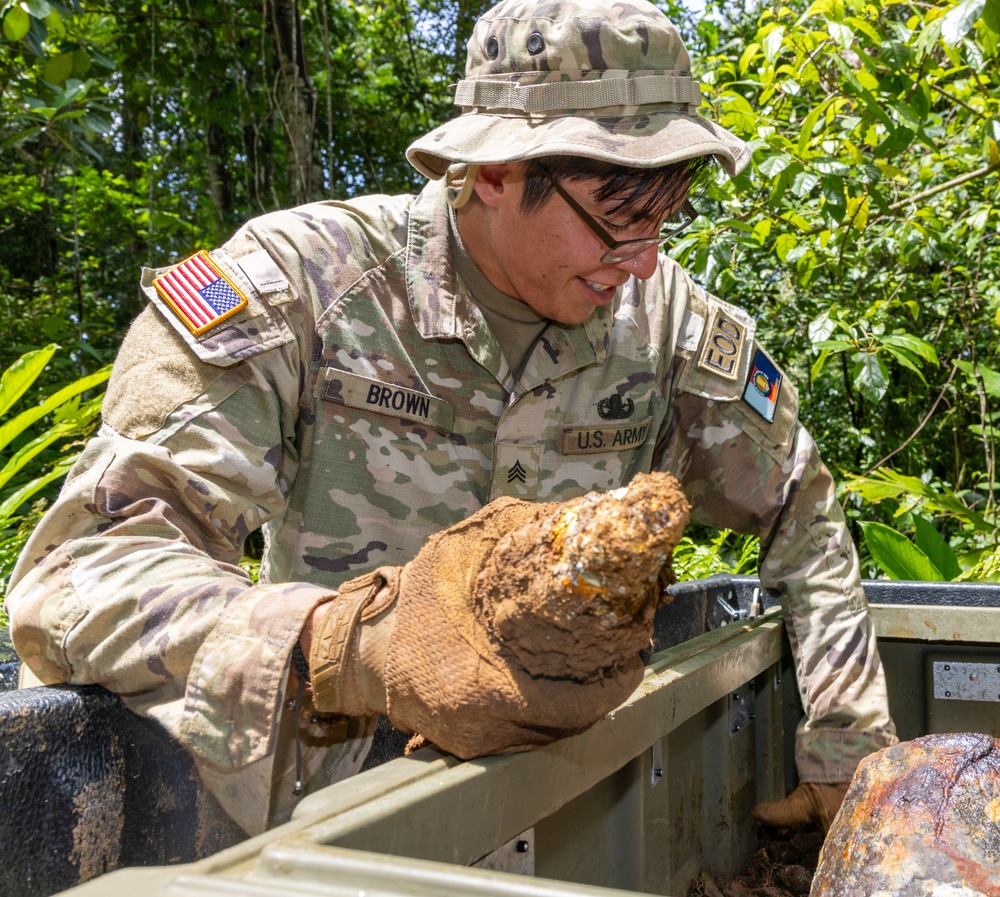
219	178
292	94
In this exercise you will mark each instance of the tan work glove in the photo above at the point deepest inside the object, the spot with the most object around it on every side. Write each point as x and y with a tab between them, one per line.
518	626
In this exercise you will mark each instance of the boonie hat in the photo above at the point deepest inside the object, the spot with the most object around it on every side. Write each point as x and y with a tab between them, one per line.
602	79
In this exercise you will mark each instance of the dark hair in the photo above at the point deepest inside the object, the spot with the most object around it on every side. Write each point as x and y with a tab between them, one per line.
644	193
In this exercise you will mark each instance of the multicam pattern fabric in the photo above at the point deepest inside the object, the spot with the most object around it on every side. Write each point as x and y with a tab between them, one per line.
359	404
587	78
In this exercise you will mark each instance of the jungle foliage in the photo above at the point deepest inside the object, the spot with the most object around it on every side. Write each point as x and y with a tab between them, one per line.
864	237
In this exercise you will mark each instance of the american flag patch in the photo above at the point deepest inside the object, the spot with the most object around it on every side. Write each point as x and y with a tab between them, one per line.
200	293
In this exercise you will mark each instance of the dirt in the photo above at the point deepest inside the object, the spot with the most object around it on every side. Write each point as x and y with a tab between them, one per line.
782	867
574	590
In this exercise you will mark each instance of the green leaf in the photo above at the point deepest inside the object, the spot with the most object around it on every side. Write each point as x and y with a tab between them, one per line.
875	490
774	164
30	450
833	193
81	62
804	183
21	374
990	377
10	505
867	98
871	378
991	15
784	244
822	327
895	143
931	543
809	125
16	24
19	424
54	25
58	68
748	56
39	9
991	380
771	44
737	113
817	366
887	483
897	556
960	19
841	34
907	361
912	344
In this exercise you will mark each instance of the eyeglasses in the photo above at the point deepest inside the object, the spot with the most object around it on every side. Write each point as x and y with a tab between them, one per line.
622	250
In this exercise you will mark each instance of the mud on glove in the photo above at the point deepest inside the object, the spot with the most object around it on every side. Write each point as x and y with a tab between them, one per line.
513	628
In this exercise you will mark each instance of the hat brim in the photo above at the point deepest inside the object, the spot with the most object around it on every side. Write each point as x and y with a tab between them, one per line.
650	139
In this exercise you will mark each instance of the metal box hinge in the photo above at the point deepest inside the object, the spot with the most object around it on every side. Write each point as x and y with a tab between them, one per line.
741	703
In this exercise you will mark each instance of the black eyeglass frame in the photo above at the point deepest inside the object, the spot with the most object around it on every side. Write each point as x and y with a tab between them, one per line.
615	253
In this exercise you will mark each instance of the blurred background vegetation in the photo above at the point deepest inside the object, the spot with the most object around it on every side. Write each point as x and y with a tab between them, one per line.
864	237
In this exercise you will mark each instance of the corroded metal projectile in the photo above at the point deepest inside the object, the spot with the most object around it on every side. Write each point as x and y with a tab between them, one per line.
573	592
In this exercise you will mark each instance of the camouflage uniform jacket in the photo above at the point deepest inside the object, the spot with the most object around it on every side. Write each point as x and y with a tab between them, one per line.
357	404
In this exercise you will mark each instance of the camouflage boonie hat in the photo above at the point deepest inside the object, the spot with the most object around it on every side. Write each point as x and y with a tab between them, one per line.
603	79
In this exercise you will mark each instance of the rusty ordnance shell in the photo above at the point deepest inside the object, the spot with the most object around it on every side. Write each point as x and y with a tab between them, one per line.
920	818
573	593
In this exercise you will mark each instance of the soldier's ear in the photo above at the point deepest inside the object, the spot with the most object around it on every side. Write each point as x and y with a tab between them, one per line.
493	183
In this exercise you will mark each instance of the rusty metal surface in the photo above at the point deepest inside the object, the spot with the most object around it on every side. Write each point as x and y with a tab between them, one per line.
920	817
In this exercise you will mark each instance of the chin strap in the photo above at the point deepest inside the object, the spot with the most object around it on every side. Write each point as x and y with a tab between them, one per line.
460	179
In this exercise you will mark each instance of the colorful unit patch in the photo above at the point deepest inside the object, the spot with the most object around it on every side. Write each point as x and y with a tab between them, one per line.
763	387
200	293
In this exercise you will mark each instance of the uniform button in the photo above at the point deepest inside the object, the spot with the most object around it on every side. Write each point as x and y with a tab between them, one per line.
492	48
535	43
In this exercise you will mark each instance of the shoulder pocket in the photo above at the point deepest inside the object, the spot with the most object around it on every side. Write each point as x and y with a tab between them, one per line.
155	372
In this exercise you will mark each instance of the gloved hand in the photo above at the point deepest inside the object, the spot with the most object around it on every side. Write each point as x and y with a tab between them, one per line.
518	626
809	802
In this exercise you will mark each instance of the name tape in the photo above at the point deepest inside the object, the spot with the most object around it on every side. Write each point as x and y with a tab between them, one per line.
400	402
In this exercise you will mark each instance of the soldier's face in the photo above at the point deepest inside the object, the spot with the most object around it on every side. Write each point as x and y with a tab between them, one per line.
550	258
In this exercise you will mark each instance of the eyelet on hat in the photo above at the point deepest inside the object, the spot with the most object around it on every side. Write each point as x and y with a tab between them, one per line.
492	48
535	43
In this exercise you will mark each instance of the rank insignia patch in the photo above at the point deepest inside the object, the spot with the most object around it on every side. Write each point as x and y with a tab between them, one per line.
200	293
763	387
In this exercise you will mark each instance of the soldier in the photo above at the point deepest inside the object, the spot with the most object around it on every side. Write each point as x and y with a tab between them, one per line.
355	377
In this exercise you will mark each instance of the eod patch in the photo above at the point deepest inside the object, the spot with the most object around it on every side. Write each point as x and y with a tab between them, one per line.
723	345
